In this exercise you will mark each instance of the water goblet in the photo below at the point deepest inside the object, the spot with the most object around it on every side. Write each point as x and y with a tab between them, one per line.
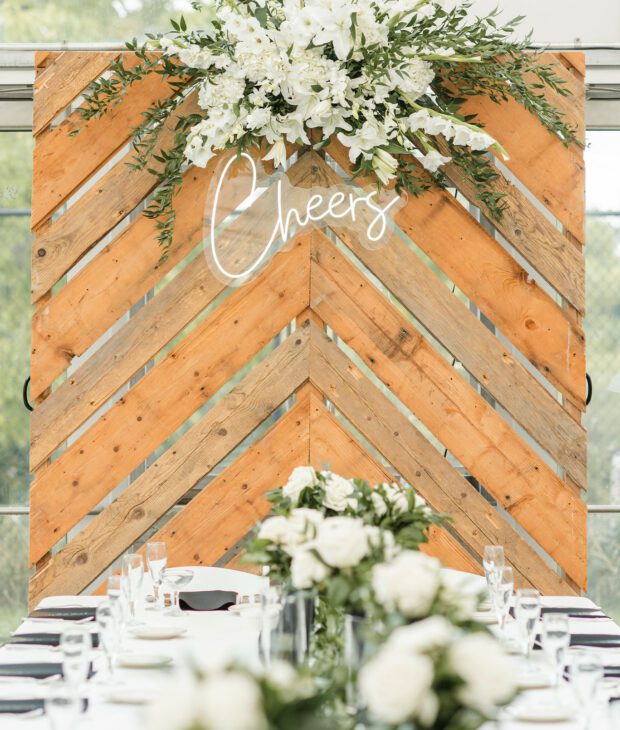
76	645
108	634
586	676
157	559
527	613
502	596
133	570
493	562
175	579
62	706
555	637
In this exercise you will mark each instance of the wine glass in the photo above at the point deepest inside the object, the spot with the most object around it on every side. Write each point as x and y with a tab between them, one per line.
555	642
62	706
76	645
527	613
108	634
175	579
133	570
493	562
156	559
586	675
502	596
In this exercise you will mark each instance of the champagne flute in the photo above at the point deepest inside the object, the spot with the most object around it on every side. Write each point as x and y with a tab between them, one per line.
527	613
586	676
62	706
156	559
176	578
493	562
503	595
555	642
108	634
133	570
76	645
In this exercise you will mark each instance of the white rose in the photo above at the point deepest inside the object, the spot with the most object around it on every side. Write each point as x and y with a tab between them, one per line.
409	582
433	632
393	495
291	531
301	477
231	701
338	493
379	503
382	538
307	570
488	672
342	542
459	594
274	529
396	686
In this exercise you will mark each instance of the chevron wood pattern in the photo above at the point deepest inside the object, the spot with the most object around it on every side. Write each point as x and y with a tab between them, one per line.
168	403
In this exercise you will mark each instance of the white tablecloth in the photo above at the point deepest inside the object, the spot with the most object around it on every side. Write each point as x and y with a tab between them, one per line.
214	636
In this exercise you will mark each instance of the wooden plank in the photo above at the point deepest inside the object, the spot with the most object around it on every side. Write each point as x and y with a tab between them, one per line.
450	408
163	317
378	420
62	163
166	396
95	214
535	237
399	268
331	443
224	512
143	502
553	173
94	299
484	271
64	80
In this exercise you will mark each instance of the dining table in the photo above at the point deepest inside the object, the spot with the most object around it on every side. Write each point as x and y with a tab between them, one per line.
223	635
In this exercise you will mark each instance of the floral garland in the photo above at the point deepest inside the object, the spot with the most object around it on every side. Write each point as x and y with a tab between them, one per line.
388	78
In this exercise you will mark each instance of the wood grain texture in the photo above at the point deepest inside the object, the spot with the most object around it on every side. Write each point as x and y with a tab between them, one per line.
378	420
450	408
96	213
62	81
62	163
166	397
143	502
332	444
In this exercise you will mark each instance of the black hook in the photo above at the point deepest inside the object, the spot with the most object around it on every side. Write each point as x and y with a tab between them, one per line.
25	394
589	389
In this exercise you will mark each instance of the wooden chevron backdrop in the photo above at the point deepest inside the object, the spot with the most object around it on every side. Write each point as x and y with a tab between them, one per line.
168	403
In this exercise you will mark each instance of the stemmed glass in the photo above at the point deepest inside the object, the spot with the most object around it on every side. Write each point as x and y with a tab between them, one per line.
175	579
76	645
62	706
156	559
133	571
502	596
586	675
555	642
108	634
527	613
493	562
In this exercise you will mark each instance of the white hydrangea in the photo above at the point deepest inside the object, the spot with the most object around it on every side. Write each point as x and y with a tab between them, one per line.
410	582
342	542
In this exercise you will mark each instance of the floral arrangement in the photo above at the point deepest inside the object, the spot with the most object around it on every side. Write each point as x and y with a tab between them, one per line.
236	698
433	676
387	78
393	507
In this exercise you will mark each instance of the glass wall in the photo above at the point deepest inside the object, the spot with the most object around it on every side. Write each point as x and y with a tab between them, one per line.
602	326
15	243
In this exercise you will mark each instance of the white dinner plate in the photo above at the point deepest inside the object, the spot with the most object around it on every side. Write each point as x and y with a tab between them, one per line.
132	660
485	617
542	712
158	632
128	696
534	680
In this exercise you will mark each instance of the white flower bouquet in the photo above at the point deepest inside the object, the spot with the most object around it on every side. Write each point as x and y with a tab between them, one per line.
394	507
433	676
236	698
387	78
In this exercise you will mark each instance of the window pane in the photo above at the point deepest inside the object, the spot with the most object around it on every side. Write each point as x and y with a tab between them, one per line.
106	20
13	571
604	562
15	161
